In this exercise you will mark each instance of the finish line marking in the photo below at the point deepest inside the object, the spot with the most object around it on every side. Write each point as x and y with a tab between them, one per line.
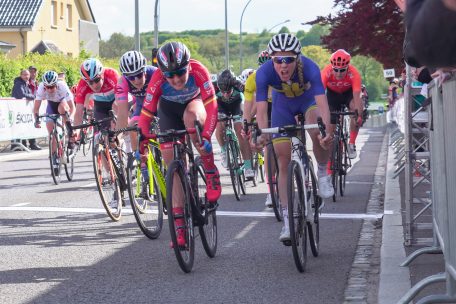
362	216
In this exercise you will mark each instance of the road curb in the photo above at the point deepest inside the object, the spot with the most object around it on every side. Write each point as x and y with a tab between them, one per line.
394	279
7	156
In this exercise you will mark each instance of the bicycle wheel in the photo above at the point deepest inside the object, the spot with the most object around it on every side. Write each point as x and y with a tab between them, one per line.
107	182
69	162
232	166
254	162
147	205
175	177
297	216
335	168
314	201
273	178
208	229
54	159
239	165
344	165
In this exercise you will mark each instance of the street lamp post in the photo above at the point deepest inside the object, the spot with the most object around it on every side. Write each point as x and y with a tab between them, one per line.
137	39
240	38
156	24
227	49
283	22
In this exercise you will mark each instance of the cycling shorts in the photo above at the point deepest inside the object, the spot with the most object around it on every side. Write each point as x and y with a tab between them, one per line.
231	108
338	102
101	111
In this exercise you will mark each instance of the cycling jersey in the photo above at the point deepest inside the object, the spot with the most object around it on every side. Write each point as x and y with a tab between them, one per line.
250	88
107	92
351	81
235	97
61	93
292	97
198	84
232	105
124	87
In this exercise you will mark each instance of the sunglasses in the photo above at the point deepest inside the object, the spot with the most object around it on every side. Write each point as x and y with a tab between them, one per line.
140	75
50	87
339	70
227	92
95	80
177	73
284	59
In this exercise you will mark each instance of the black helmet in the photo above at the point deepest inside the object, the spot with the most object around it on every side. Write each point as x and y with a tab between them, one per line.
225	80
173	56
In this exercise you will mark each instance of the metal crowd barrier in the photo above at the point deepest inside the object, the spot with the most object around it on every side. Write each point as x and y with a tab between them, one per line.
442	140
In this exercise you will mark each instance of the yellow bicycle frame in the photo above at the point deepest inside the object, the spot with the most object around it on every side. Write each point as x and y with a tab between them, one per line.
153	166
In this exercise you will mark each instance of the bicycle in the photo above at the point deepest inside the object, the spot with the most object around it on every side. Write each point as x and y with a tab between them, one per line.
304	203
58	149
86	133
340	162
257	158
197	211
148	195
233	155
109	166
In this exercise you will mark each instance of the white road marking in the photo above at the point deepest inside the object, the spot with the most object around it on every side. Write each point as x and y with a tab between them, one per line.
363	216
20	204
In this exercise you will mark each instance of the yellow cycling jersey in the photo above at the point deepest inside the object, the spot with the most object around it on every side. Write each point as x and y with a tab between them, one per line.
250	88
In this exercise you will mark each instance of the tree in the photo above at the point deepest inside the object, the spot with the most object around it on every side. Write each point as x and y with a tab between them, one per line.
317	54
313	36
116	46
367	27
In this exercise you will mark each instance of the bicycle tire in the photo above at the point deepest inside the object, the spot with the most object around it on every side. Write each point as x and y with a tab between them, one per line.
254	162
147	207
315	201
240	172
296	215
273	182
54	160
231	163
69	165
107	182
335	169
185	256
208	229
343	168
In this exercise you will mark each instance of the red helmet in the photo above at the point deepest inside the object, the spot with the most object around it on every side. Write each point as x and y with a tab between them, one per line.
340	59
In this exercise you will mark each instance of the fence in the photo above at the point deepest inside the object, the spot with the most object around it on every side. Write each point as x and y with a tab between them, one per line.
442	138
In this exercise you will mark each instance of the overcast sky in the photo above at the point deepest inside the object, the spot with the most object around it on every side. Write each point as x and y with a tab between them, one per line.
119	16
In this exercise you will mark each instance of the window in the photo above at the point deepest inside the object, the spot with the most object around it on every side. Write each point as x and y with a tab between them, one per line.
61	10
54	13
69	16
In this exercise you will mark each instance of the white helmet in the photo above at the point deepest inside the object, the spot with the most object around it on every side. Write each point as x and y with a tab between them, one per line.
245	74
284	42
49	78
132	62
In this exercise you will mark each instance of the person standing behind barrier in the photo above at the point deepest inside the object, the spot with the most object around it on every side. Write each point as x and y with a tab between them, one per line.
297	88
21	89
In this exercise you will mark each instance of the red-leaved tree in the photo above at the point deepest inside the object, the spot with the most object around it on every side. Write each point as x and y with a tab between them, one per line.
367	27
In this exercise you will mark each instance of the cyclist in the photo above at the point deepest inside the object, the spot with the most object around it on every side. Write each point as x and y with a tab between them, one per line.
342	82
59	98
250	104
229	101
135	78
244	75
181	92
296	88
98	84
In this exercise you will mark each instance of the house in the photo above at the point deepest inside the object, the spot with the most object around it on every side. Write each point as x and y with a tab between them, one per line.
63	26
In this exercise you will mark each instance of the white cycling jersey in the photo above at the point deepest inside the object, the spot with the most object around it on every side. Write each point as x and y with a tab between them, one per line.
61	93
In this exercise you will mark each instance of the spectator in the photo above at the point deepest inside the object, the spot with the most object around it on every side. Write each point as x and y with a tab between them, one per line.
62	77
21	89
33	84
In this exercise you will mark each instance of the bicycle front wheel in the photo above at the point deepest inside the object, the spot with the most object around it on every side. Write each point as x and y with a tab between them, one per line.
69	165
296	215
107	182
207	229
344	165
175	179
232	166
335	163
145	200
273	178
314	201
54	159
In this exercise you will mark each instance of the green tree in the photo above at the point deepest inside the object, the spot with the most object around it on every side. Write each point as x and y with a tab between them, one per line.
116	46
317	54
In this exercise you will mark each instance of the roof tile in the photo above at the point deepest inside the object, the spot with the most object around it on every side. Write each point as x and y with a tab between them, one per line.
18	13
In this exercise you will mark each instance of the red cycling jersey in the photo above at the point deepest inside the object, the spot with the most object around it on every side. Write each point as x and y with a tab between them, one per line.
198	83
351	81
107	92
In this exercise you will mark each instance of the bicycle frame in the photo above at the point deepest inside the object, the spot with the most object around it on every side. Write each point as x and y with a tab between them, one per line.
154	167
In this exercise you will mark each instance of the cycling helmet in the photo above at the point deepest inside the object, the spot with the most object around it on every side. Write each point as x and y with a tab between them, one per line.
245	74
284	42
225	80
173	56
263	57
132	62
49	78
340	59
90	69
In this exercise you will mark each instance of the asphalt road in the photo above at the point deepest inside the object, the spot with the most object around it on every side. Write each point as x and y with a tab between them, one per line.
58	245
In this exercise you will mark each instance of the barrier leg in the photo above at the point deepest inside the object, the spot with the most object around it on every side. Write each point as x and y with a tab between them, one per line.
436	278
